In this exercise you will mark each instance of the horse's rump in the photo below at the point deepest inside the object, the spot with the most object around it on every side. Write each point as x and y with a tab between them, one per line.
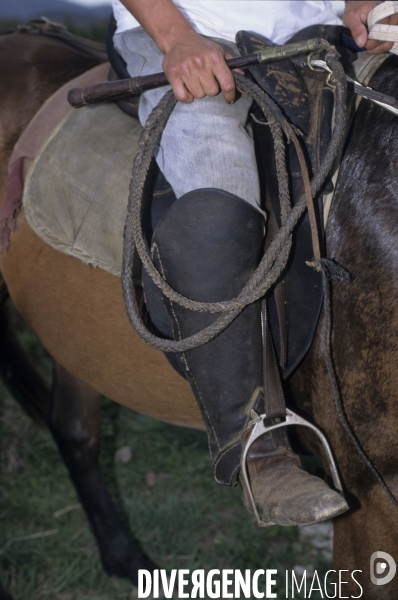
29	146
76	189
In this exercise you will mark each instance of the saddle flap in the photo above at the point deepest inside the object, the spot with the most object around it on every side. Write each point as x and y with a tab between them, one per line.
295	302
280	80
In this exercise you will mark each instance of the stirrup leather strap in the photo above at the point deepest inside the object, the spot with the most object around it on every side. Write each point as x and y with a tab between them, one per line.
274	400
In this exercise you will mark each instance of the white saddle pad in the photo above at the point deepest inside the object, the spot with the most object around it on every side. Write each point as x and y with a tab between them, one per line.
76	191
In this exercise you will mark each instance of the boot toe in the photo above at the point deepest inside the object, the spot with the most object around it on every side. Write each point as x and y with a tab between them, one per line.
284	494
323	507
308	508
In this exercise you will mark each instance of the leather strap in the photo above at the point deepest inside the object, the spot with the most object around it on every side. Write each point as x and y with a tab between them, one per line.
274	401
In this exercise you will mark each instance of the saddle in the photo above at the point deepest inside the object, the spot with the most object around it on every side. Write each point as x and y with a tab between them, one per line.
295	301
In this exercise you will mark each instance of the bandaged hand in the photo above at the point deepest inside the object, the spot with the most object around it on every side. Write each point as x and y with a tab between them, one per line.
355	17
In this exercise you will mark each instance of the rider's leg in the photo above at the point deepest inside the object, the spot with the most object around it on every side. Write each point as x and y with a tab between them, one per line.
204	144
207	245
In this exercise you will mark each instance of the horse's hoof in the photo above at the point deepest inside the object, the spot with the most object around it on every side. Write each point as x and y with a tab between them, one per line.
124	558
4	595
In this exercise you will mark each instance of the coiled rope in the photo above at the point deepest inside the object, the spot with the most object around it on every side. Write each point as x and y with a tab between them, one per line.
275	258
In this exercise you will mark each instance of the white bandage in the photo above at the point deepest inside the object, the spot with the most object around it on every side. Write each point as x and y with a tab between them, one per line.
384	33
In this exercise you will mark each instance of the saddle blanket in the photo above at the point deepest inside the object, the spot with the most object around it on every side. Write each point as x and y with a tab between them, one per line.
76	190
72	169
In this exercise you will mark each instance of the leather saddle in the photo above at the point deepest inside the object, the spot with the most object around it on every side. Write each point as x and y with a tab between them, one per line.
295	301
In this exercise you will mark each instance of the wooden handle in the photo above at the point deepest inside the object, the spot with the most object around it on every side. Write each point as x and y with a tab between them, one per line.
112	90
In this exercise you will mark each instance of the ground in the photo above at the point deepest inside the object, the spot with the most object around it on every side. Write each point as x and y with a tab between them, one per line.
161	477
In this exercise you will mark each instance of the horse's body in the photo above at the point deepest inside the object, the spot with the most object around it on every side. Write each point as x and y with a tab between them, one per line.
77	312
116	362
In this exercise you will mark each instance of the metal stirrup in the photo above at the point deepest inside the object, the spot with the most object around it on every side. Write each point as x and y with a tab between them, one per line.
258	430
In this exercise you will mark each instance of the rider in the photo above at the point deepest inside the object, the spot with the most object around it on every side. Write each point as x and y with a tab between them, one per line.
210	240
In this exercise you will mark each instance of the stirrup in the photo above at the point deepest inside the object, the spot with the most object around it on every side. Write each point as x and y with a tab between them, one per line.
258	430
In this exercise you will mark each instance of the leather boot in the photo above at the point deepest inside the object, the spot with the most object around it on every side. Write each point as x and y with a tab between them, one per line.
206	247
284	494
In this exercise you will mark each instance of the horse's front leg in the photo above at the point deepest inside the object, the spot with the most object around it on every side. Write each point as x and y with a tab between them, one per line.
3	594
74	423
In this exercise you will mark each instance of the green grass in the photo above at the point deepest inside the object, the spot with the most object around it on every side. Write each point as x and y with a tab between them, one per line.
184	520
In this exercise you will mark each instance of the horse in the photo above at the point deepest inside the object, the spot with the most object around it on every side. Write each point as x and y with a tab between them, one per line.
77	313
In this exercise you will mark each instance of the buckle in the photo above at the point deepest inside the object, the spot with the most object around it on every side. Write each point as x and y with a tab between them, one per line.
259	428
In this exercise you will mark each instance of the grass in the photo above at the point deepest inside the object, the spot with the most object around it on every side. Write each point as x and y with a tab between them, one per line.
166	492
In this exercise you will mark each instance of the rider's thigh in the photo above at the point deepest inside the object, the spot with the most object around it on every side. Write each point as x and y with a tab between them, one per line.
206	143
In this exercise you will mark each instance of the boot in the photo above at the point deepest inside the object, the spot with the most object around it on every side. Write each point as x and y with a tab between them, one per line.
283	493
206	247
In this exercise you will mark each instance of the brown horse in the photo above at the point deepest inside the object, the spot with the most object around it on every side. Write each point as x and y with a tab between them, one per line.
77	312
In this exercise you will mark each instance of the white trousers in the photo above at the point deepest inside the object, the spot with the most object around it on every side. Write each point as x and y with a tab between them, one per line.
206	143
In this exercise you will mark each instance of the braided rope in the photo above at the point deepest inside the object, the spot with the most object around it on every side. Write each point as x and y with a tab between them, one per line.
275	258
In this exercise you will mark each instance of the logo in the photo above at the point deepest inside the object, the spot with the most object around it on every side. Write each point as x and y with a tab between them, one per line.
382	568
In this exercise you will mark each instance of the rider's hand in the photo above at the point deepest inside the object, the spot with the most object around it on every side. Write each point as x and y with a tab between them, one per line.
195	67
355	17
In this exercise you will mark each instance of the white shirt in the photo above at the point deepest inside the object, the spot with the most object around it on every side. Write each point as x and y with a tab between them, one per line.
277	20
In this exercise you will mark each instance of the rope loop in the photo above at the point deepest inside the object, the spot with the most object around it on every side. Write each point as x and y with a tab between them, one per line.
275	258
